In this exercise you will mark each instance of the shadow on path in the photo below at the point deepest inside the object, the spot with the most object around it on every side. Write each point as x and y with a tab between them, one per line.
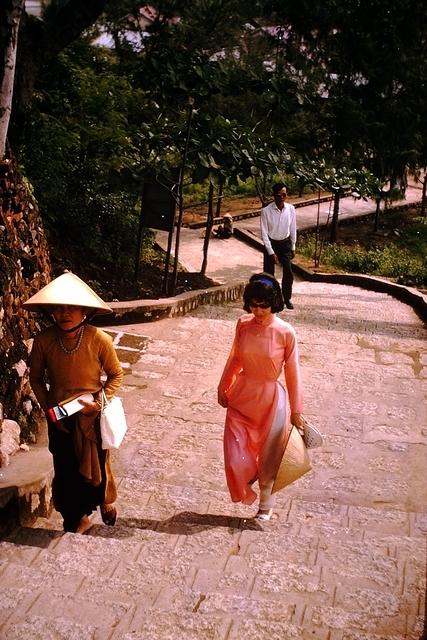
185	523
32	537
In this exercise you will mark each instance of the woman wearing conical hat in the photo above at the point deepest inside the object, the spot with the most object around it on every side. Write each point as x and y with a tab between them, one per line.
225	230
66	361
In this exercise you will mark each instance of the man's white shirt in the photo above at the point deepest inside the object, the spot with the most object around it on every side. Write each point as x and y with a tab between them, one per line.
278	224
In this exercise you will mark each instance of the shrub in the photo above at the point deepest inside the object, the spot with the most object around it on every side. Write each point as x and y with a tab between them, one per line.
407	265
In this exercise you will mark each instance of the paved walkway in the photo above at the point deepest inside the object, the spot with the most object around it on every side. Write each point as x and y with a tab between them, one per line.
343	559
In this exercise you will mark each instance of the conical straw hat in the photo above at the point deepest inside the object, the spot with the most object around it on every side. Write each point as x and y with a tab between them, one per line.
67	289
295	462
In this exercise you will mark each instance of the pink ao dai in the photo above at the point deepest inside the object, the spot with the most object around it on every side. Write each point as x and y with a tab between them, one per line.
257	399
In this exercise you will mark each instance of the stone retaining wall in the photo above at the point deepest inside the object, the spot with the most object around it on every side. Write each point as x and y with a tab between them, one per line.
150	310
24	269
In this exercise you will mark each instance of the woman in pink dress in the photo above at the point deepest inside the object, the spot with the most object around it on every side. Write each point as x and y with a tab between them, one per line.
260	410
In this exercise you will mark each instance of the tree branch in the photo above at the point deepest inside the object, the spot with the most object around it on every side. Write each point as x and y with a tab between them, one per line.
69	22
39	39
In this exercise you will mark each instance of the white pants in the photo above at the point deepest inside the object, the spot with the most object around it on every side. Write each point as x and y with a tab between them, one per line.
269	456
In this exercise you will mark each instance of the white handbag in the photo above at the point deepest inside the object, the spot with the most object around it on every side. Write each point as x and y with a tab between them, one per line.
310	434
113	422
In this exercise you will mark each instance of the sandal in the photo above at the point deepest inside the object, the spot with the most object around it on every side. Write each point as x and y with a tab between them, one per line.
264	514
108	515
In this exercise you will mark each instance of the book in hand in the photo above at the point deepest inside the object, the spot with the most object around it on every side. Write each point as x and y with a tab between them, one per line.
68	407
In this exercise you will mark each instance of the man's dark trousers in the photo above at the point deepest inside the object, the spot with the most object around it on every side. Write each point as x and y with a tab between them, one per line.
283	250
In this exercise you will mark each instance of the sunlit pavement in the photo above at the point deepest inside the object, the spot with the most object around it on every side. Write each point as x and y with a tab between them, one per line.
344	557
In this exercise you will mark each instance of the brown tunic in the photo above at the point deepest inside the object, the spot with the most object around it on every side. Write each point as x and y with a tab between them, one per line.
56	376
70	374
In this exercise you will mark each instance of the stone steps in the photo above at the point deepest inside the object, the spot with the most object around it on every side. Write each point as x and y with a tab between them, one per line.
210	575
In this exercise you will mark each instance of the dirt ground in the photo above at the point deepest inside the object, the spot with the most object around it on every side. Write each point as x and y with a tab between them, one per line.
236	205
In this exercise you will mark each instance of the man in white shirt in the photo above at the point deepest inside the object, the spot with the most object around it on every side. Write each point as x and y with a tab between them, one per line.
279	235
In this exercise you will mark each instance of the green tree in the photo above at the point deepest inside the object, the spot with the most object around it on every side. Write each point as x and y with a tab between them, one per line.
225	152
340	181
270	82
26	44
369	65
84	128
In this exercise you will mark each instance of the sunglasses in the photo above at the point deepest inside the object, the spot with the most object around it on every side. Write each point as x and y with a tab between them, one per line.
259	305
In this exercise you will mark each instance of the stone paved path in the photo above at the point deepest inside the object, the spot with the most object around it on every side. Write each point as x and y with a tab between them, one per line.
345	556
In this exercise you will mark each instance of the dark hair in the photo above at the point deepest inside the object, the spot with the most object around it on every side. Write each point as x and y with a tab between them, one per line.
264	288
278	186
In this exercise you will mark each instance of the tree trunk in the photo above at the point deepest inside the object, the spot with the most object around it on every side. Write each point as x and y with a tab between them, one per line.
317	246
219	201
377	214
334	222
260	189
209	225
9	64
423	199
181	196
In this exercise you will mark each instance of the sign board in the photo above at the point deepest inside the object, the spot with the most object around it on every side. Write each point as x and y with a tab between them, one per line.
158	205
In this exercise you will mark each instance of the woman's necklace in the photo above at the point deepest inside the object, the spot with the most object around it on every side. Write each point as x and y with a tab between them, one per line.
77	346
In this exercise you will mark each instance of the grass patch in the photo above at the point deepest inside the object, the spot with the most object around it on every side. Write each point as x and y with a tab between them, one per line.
397	250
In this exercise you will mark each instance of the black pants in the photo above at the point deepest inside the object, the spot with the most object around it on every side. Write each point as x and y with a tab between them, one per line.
283	250
73	496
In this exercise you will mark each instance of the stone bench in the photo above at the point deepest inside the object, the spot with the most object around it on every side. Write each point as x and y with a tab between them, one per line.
25	488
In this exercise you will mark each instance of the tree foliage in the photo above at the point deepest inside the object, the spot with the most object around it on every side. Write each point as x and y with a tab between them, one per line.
368	61
81	134
332	91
